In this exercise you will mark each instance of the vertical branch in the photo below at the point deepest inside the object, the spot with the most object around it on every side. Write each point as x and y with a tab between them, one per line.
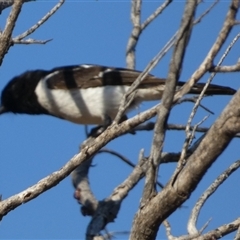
167	99
138	28
136	21
83	193
5	37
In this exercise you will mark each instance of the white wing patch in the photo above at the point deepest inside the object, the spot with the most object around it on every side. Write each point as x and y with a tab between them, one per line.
82	106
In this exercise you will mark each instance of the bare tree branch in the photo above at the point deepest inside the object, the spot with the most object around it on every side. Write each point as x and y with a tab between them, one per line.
8	3
5	36
187	143
180	127
39	23
112	235
199	19
132	42
214	234
128	97
193	100
211	146
138	28
189	136
220	231
112	132
157	58
126	100
211	189
105	211
108	208
168	230
31	41
237	237
233	68
83	193
123	158
163	113
164	110
155	14
207	63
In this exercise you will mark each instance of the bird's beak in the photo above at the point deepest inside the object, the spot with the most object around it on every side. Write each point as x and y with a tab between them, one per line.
2	109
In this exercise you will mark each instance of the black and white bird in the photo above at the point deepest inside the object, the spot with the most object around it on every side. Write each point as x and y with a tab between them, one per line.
84	94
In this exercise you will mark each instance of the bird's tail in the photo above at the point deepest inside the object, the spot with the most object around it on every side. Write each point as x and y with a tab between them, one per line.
211	90
152	89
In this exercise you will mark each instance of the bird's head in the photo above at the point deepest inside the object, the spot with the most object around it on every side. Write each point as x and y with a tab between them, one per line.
12	96
18	96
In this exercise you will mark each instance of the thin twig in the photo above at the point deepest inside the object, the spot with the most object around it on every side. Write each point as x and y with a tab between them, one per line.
220	231
112	235
233	68
205	225
40	22
194	100
31	41
185	148
237	236
199	19
127	97
225	69
168	230
210	190
155	14
124	159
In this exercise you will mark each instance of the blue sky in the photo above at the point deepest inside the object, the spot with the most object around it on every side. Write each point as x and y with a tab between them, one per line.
34	146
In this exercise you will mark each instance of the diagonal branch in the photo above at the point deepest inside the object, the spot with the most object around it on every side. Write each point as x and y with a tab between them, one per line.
199	19
155	14
40	22
129	96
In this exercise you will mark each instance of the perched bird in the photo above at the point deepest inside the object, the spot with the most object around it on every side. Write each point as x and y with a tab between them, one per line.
84	94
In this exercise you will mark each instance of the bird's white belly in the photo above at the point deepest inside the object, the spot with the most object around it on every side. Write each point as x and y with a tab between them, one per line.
83	106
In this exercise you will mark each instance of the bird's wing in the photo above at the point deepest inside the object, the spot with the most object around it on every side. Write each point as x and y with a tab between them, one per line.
86	76
91	76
